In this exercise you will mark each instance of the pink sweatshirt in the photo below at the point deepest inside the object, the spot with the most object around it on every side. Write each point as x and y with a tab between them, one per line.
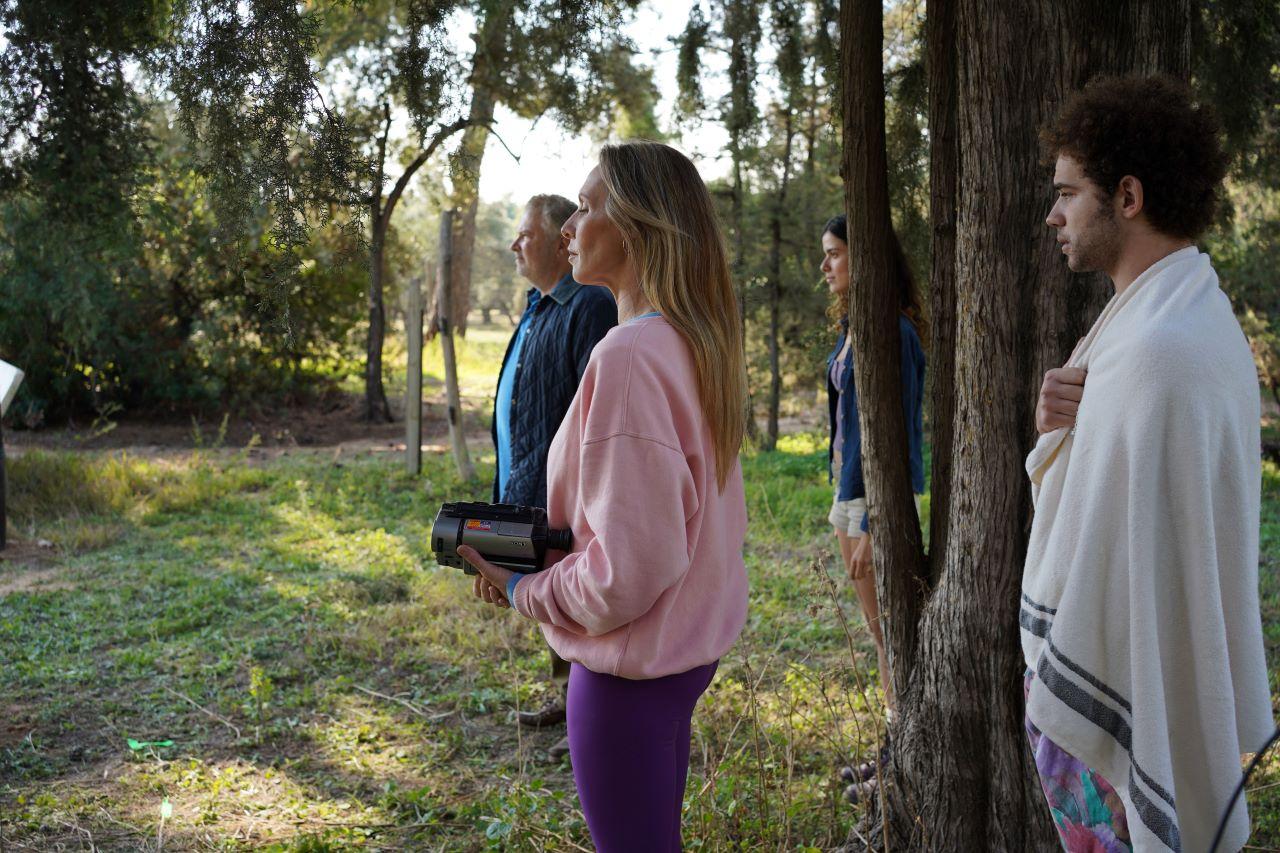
656	584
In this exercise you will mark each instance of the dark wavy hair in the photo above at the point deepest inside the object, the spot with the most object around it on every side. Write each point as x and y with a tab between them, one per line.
909	301
1150	128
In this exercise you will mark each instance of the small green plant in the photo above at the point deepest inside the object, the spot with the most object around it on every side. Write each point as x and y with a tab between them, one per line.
260	690
103	423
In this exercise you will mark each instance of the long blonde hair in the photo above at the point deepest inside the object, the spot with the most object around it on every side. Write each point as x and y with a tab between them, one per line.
668	222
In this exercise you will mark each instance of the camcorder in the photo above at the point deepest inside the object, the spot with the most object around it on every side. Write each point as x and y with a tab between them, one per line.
514	537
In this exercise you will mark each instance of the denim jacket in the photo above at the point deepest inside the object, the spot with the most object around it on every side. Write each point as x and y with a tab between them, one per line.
565	327
852	485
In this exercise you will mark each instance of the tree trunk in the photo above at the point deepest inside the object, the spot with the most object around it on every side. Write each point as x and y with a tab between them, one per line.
775	285
465	171
961	777
944	177
376	408
740	276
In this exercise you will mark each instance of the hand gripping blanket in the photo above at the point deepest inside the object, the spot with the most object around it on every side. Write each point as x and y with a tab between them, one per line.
1140	594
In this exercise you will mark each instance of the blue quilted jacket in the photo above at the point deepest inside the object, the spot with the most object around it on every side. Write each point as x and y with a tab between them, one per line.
565	327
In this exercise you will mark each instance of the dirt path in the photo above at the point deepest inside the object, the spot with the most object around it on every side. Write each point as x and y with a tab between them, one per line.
330	422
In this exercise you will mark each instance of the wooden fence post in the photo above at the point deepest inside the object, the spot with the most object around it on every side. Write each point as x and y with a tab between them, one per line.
413	384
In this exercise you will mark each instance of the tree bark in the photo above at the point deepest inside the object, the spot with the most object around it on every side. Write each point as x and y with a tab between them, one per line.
740	275
376	408
775	284
944	178
413	377
465	173
1005	309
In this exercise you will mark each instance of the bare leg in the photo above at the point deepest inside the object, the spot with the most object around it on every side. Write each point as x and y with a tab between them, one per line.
866	589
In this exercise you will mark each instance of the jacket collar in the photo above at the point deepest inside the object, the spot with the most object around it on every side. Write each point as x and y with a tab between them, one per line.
564	290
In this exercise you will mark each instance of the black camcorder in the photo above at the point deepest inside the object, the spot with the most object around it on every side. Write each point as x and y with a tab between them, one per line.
513	537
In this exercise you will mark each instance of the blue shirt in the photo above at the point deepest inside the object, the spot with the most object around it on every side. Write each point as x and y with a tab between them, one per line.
506	391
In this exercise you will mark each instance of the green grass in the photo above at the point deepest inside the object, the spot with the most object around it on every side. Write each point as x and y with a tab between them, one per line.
327	687
252	613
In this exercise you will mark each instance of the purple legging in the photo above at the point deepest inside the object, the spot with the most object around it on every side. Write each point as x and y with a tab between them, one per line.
629	744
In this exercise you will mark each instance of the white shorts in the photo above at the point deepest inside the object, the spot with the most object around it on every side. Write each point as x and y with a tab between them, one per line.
846	516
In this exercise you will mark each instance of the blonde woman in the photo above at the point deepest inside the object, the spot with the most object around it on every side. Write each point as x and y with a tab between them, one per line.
645	472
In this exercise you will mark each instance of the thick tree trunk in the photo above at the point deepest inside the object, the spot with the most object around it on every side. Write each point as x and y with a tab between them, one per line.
1005	310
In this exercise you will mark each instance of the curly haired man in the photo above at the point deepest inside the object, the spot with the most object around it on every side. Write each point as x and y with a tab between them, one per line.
1141	630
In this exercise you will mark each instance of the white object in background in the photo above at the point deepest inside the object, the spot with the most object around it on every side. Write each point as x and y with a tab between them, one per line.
10	379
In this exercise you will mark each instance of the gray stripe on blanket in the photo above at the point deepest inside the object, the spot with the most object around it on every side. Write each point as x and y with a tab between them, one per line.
1156	818
1120	730
1164	828
1083	673
1032	623
1038	606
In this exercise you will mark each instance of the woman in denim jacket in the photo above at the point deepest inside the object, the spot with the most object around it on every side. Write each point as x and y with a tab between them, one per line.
849	507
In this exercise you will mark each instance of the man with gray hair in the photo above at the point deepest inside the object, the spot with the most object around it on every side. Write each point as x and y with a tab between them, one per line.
543	365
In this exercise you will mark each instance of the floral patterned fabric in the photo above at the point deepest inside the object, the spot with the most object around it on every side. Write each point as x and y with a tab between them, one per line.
1086	809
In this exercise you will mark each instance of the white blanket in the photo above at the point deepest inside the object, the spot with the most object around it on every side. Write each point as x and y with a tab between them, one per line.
1140	595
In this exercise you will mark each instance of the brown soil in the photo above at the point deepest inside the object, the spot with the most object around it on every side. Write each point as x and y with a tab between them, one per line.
16	722
331	421
24	554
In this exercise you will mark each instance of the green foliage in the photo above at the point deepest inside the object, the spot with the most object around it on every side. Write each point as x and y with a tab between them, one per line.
186	317
244	79
742	33
565	58
1236	66
1246	251
184	185
72	152
633	93
690	100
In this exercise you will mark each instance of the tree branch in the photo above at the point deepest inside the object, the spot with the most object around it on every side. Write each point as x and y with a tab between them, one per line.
440	136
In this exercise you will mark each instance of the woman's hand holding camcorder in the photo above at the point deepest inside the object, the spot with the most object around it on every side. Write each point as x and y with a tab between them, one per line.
491	582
